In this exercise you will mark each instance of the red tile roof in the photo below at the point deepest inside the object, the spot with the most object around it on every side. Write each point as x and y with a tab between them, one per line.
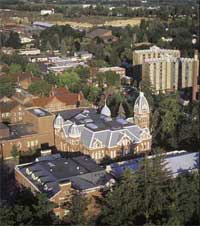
61	94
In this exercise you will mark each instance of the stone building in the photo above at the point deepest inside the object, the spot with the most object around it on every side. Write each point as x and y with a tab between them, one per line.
100	135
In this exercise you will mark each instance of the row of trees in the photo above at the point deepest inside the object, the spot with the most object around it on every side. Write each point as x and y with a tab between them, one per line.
27	210
69	41
122	8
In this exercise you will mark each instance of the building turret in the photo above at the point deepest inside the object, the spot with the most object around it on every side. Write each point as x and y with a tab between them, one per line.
58	122
106	111
74	131
141	111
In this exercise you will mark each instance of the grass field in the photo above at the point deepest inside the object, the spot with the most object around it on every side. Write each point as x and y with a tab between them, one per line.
84	22
89	22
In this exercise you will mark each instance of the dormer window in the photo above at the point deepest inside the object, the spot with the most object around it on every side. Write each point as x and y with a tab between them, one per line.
97	144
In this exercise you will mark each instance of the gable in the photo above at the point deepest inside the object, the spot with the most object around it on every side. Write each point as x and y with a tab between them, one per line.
54	101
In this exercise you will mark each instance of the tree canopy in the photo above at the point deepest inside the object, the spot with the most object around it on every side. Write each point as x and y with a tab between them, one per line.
40	87
7	86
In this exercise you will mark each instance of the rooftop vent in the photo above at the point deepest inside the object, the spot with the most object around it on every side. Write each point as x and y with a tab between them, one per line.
50	164
122	121
88	120
92	126
39	112
107	119
45	152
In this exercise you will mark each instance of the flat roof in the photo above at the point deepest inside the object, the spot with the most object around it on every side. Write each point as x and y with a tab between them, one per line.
3	126
19	130
176	163
50	171
39	112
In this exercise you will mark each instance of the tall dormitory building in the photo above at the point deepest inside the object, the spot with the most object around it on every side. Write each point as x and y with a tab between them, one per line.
165	68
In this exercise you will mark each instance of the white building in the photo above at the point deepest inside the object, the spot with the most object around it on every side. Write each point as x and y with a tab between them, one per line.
45	12
119	70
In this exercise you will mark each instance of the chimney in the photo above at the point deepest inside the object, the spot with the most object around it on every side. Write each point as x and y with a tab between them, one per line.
195	75
65	185
79	97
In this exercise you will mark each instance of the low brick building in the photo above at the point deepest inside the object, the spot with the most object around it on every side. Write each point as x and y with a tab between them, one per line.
60	99
104	34
58	177
118	70
35	129
11	111
23	79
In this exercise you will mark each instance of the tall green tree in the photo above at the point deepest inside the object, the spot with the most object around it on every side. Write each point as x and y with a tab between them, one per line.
77	210
68	79
40	87
34	69
14	40
120	207
15	68
112	78
7	86
154	186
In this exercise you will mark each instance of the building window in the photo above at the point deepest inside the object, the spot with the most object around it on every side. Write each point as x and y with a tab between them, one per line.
66	212
32	143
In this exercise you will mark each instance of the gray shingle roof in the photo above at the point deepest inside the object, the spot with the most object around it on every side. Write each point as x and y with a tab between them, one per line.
94	126
46	173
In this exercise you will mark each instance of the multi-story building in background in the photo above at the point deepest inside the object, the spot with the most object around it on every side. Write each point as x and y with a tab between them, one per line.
165	69
187	71
139	56
163	73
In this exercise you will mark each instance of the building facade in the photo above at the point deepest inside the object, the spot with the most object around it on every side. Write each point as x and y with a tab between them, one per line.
162	72
35	129
118	70
60	99
100	135
11	111
154	52
187	71
165	69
